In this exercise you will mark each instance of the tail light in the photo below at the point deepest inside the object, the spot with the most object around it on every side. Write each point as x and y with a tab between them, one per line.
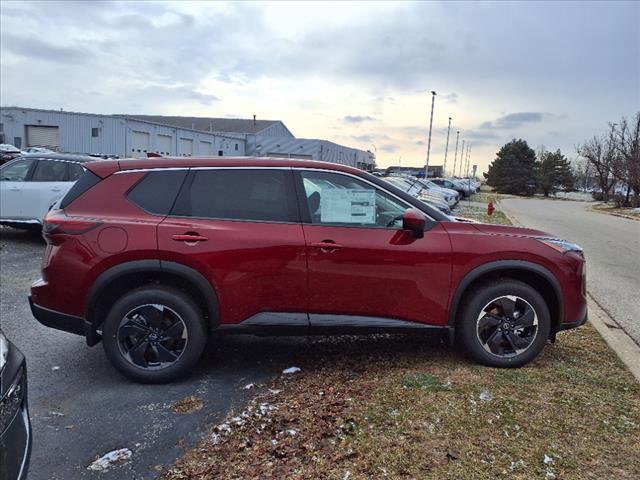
57	223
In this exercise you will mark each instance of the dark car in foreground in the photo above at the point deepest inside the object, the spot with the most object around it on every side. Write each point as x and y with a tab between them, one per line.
15	427
152	257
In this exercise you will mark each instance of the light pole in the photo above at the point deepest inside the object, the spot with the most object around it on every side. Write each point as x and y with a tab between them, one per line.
461	159
466	166
455	157
446	150
426	167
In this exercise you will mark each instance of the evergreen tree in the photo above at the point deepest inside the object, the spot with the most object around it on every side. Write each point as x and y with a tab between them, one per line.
513	170
553	171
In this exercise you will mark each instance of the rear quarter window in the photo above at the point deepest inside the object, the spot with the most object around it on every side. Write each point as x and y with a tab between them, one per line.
86	182
157	191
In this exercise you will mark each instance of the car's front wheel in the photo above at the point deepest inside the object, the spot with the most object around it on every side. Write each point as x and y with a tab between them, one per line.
154	334
504	324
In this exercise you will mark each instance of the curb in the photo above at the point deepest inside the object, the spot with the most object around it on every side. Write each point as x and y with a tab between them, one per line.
615	337
616	214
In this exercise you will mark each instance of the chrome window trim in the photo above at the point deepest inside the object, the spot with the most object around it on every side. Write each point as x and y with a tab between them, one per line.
309	169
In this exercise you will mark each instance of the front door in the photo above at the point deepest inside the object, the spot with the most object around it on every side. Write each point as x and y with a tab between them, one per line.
361	262
13	178
240	228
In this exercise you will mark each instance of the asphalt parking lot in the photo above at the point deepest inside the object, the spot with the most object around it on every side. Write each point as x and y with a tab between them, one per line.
82	408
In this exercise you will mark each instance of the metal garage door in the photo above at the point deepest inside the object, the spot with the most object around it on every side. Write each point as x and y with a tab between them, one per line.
139	143
164	144
43	136
206	149
186	147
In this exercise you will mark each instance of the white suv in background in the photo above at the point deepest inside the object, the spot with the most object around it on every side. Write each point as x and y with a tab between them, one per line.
30	184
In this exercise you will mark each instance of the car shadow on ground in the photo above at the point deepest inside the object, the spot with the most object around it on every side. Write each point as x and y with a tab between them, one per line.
25	237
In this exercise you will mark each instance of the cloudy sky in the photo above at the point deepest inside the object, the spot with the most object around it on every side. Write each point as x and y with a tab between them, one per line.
354	73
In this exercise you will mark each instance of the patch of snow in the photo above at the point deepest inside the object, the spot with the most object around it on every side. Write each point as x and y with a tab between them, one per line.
547	459
293	432
347	474
274	442
275	392
55	368
550	475
485	396
56	414
216	438
248	386
108	459
291	370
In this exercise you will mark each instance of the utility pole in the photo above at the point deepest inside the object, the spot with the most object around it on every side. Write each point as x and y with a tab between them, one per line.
426	167
466	167
446	150
461	159
455	157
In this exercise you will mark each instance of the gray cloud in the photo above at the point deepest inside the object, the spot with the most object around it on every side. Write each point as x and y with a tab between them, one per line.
420	142
32	48
358	118
362	138
451	97
389	148
515	120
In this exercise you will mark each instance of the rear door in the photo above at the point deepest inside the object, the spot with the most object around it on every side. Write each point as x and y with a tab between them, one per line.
240	228
362	265
13	178
49	182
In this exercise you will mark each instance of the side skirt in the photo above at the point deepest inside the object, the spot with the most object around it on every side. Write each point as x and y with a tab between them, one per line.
301	324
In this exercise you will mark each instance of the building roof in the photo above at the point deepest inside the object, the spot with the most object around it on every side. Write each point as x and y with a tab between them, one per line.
208	124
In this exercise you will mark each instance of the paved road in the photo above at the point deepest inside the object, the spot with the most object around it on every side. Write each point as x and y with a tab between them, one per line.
612	249
84	408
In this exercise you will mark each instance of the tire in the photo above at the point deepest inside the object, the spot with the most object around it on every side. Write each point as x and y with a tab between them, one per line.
154	334
504	324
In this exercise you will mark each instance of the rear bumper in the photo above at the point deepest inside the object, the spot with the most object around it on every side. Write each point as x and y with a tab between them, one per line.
571	325
64	322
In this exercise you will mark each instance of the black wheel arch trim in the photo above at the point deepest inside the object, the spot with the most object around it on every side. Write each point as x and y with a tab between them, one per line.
498	265
110	275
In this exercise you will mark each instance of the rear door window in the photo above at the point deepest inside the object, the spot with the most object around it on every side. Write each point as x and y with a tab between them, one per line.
157	191
239	194
75	171
50	171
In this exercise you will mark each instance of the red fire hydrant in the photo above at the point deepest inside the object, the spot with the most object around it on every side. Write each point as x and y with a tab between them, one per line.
490	208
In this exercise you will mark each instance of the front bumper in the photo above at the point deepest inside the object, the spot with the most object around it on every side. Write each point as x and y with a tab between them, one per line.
65	322
16	439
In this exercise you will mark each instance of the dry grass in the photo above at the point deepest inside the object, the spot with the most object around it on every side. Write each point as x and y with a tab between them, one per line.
399	407
628	212
480	215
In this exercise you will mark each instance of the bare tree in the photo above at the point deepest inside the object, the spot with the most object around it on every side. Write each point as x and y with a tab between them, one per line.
600	152
626	164
582	172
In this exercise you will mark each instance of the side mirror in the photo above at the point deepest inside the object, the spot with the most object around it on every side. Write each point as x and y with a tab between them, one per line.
414	221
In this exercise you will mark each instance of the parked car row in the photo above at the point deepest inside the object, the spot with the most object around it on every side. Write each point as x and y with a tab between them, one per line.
443	199
464	186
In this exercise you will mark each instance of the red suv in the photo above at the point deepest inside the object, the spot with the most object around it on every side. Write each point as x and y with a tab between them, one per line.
153	256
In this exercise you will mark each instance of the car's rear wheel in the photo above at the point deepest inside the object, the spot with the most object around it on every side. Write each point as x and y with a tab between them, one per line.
154	334
504	324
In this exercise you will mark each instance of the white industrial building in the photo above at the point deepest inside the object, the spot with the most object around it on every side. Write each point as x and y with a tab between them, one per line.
137	135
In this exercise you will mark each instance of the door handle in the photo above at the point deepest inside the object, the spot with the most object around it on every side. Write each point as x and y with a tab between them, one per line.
56	189
189	238
327	246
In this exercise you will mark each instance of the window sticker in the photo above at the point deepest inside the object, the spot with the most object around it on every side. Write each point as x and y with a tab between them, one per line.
348	205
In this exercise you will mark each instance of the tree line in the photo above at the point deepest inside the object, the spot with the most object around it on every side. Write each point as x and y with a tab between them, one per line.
518	170
609	162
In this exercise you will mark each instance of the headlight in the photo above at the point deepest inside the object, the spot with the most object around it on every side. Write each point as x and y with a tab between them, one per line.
561	246
11	402
4	350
